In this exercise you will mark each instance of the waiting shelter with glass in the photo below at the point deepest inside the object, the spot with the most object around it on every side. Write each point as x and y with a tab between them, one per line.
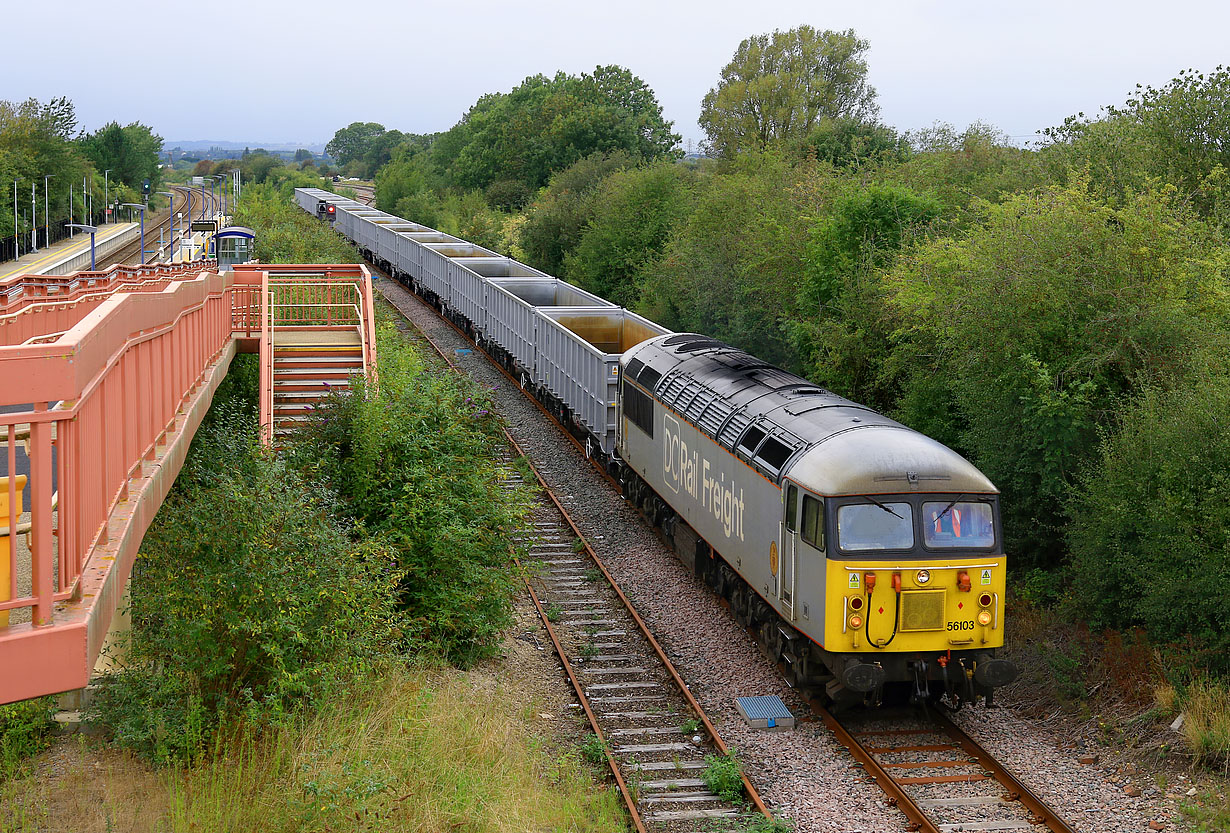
234	244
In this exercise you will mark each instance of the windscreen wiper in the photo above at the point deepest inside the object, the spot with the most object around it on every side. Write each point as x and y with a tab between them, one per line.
885	508
949	506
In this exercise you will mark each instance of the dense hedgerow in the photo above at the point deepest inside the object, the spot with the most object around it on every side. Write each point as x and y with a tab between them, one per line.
1150	529
250	599
413	462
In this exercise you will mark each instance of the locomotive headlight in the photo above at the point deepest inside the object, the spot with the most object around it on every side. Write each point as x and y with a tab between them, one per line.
922	576
984	617
856	621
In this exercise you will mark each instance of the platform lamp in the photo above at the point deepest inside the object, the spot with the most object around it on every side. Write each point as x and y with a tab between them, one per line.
171	207
46	212
90	230
142	209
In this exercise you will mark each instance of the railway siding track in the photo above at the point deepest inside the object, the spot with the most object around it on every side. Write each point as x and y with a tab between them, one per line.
653	733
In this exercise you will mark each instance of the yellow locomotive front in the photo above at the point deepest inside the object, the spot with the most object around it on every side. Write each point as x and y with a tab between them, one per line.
914	570
929	611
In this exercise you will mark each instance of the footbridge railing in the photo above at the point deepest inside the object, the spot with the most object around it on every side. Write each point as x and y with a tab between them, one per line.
104	379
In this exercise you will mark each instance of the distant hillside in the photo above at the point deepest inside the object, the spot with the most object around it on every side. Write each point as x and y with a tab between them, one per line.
209	144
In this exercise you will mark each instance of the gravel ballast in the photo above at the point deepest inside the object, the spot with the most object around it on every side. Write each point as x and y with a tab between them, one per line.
804	775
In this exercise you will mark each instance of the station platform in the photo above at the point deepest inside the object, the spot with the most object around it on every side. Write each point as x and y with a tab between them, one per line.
47	261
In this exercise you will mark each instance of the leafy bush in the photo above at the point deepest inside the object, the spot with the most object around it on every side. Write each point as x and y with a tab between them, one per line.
731	267
250	599
557	219
414	462
1150	531
1041	320
634	213
25	728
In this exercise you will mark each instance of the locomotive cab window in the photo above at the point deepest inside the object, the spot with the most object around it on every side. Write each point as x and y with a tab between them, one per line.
875	526
813	522
792	507
958	524
638	408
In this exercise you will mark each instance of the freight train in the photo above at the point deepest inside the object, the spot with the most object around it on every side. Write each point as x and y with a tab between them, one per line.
867	557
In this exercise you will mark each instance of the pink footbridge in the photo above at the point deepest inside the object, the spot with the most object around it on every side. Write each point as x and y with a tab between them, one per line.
104	379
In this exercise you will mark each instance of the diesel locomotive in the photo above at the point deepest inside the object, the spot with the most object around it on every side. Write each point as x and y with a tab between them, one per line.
866	555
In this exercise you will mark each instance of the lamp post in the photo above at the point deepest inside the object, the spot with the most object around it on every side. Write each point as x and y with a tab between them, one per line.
107	193
46	212
171	208
142	208
203	198
90	230
16	253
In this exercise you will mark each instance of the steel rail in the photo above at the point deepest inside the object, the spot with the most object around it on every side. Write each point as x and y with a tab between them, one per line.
1017	790
123	254
752	793
1040	814
629	801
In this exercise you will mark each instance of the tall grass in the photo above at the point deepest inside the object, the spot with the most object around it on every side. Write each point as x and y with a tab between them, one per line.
409	751
1205	706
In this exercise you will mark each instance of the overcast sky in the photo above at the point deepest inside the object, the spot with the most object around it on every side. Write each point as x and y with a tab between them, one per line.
260	71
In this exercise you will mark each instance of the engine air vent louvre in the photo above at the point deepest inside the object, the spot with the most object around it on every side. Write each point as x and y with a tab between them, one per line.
710	421
674	386
703	399
734	429
679	338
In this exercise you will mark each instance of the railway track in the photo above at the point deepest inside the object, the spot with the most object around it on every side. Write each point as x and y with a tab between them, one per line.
186	201
653	734
937	775
941	779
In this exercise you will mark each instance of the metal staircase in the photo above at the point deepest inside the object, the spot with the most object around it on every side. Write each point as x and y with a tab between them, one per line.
307	367
317	332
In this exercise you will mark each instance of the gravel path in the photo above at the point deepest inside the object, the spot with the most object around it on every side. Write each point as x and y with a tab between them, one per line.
804	774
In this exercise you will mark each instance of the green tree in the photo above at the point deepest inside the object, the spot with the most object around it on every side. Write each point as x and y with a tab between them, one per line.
634	213
36	141
731	267
1040	322
843	327
779	86
964	167
1150	530
546	124
1179	133
131	152
556	220
852	143
354	142
303	155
